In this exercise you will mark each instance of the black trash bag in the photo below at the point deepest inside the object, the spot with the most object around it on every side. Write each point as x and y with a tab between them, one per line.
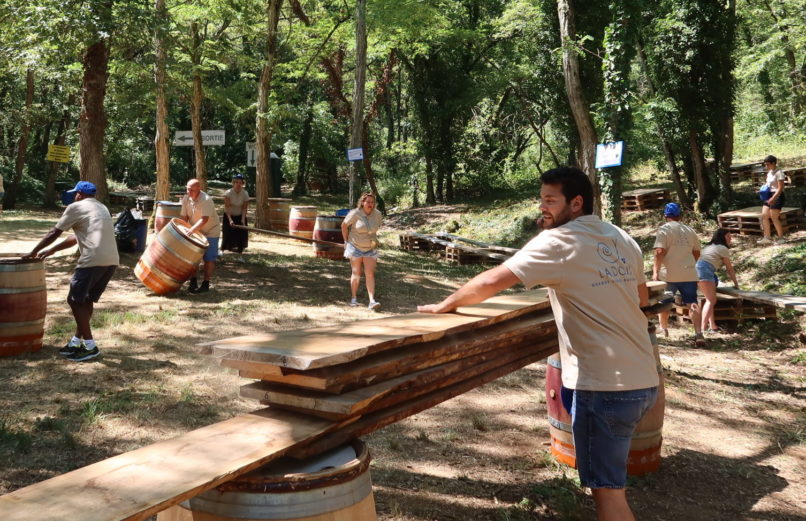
126	232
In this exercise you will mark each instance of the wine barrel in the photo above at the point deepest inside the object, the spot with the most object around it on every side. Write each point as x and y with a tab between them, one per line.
278	213
328	228
301	220
644	456
23	305
166	210
333	486
171	258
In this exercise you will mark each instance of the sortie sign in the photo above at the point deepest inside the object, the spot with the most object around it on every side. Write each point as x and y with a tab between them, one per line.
210	138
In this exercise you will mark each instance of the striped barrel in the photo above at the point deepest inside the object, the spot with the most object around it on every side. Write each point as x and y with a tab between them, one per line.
301	220
278	213
166	210
328	228
644	455
171	258
23	305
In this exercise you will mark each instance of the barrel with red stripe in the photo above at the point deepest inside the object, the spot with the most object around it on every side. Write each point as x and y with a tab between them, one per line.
301	220
171	258
23	305
328	228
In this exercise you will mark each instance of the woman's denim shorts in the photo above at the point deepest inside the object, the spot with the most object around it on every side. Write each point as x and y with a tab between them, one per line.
603	423
351	252
706	271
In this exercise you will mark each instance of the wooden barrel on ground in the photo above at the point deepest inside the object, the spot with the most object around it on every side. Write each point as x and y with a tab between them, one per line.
328	228
166	210
644	453
23	305
333	486
301	220
278	213
171	258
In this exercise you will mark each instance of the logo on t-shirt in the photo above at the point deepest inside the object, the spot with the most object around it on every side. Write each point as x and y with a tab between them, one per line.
614	268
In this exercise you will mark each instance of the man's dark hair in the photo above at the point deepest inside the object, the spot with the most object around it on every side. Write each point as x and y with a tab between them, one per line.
573	182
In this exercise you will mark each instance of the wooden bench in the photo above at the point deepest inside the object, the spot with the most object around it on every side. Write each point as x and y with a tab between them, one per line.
773	299
747	221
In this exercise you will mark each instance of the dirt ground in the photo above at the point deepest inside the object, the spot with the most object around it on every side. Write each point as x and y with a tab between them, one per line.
733	438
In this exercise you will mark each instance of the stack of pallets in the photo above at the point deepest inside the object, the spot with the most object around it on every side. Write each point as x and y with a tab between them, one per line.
455	249
644	199
368	374
747	221
414	242
729	309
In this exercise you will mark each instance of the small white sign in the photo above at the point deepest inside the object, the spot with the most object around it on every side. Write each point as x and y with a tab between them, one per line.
251	154
609	154
210	138
355	154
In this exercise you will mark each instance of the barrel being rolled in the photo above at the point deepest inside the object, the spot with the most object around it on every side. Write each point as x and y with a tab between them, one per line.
166	210
23	305
301	220
171	258
334	486
328	228
644	456
278	213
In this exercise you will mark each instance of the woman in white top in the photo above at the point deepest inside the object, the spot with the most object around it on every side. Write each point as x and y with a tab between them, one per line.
715	255
359	229
236	204
771	209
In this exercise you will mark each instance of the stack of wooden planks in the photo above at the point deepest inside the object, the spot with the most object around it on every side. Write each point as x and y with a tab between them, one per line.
455	249
747	221
644	199
368	374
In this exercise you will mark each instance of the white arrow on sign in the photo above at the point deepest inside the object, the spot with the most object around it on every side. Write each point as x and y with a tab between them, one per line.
184	138
251	154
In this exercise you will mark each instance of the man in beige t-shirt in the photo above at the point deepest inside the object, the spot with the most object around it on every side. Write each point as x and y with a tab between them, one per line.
677	249
94	232
198	209
594	273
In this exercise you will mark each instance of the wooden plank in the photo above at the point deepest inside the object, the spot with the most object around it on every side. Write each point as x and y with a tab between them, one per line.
405	386
332	345
374	421
138	484
780	301
393	362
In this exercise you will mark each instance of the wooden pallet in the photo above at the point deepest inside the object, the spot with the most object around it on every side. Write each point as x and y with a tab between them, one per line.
747	221
454	249
414	242
644	199
729	309
795	176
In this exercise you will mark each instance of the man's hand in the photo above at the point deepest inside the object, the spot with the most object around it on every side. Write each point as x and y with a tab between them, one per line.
434	308
45	253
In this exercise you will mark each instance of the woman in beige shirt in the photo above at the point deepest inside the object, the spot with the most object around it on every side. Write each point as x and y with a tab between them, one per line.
360	230
236	204
715	255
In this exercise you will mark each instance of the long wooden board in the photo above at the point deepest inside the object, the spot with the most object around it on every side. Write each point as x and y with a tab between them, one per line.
138	484
393	362
406	386
781	301
374	421
332	345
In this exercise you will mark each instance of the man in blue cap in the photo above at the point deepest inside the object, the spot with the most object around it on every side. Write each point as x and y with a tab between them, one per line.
94	232
677	249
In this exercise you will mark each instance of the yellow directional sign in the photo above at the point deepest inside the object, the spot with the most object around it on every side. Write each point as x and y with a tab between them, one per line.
58	154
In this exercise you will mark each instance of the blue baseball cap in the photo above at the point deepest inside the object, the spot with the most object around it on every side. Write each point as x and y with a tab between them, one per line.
238	176
84	187
672	210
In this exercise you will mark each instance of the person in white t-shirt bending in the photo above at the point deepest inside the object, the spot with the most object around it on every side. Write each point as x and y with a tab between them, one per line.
677	249
715	255
94	232
595	278
771	208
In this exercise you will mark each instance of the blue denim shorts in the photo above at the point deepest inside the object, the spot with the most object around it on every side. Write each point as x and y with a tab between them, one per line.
688	290
351	252
211	254
706	271
603	423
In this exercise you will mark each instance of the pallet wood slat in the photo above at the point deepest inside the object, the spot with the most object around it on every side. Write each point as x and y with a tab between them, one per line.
325	346
780	301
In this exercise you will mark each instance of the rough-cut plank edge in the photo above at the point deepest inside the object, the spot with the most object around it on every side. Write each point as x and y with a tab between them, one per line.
781	301
374	421
138	484
405	387
479	315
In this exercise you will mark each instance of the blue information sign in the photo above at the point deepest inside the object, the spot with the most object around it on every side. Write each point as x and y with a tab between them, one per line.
609	154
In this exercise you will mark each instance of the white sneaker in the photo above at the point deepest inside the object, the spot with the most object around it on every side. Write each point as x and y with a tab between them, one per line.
353	302
374	305
764	241
779	240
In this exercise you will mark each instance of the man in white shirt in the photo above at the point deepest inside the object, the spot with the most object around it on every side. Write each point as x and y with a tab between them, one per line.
594	273
199	210
94	232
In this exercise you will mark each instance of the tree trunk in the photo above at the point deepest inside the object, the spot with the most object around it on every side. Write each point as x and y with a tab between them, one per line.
300	187
10	201
358	94
161	137
726	152
705	191
92	122
796	76
430	197
263	133
195	107
576	99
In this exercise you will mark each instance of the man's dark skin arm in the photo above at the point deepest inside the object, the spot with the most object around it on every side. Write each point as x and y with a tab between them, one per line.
48	239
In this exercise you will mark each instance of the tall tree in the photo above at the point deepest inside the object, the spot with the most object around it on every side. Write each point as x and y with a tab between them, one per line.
358	94
161	137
